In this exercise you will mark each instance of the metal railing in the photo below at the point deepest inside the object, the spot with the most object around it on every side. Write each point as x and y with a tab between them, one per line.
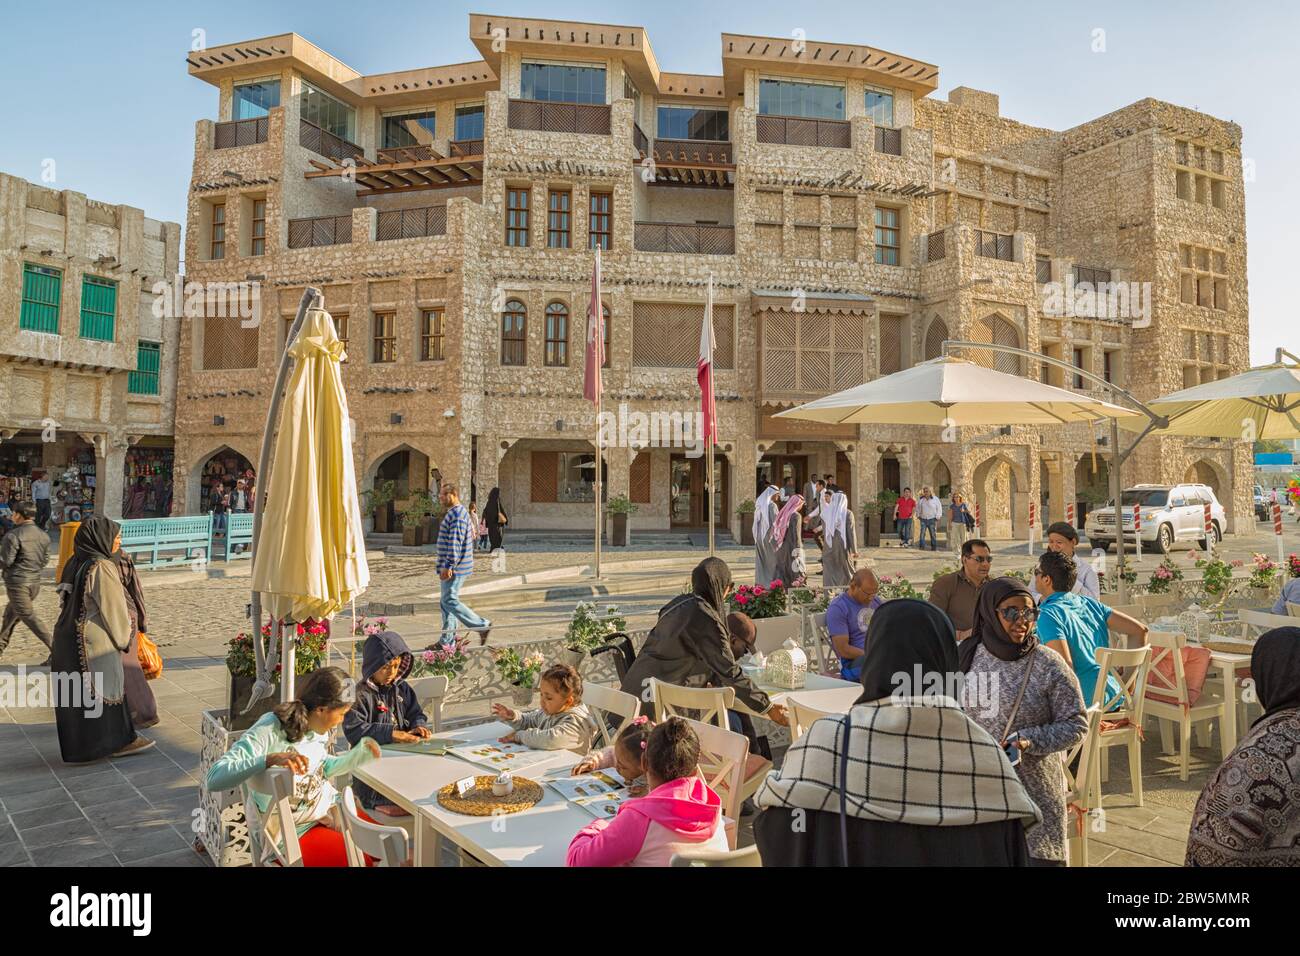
935	246
684	237
406	154
320	231
551	117
411	223
693	150
639	140
324	143
798	131
994	245
466	147
246	132
889	141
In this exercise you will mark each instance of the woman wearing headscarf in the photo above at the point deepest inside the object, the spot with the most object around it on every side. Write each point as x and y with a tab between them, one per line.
1041	721
494	516
765	510
787	536
841	531
92	633
139	697
691	646
905	778
1249	812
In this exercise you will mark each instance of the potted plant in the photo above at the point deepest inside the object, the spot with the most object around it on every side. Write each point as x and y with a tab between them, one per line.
521	671
620	507
1264	573
1164	578
769	608
311	641
418	505
745	512
897	586
441	659
379	500
589	629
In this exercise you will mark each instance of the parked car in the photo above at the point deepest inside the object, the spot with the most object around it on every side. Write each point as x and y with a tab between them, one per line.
1171	514
1263	504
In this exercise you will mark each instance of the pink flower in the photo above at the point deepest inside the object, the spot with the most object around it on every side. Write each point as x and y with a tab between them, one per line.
757	590
742	599
777	583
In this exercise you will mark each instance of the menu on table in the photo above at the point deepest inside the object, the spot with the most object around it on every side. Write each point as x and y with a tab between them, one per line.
431	746
600	793
498	756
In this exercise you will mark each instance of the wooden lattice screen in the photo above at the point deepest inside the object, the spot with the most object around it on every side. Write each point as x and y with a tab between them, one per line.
996	330
812	353
891	344
934	338
227	344
639	478
667	334
544	483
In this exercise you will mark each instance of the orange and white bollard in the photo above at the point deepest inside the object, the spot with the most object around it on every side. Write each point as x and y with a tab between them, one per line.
1137	528
1069	515
1277	534
1031	527
1209	532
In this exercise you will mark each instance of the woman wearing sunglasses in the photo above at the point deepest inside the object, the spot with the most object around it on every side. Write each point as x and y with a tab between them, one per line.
1028	698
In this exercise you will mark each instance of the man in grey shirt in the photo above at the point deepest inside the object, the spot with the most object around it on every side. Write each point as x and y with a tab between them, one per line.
23	556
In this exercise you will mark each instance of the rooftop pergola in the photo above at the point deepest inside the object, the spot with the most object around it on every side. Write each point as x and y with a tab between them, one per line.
404	169
679	162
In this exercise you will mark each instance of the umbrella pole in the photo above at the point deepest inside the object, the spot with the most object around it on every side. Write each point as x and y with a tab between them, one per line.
1115	489
310	295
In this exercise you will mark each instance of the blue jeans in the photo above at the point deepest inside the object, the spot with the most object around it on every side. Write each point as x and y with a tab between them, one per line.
219	522
905	531
453	610
928	525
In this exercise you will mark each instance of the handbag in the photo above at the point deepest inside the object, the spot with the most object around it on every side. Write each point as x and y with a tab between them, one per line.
146	651
1020	695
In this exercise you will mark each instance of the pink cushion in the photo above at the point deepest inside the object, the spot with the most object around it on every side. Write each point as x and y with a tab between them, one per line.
1196	662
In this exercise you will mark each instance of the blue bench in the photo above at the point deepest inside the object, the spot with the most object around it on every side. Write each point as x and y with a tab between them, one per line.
239	530
184	540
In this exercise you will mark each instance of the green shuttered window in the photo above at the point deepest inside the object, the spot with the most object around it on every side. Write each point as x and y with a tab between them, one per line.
144	380
98	308
41	290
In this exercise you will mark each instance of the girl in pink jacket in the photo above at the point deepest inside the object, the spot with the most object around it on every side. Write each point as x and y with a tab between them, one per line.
680	810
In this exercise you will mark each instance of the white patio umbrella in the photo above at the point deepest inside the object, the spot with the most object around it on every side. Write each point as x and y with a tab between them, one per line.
949	391
1260	403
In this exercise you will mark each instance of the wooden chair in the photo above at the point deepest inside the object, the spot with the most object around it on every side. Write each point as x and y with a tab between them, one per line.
746	856
1157	605
1252	624
1082	793
708	705
819	639
1168	645
802	716
272	836
729	768
1292	609
388	845
610	701
430	692
1130	669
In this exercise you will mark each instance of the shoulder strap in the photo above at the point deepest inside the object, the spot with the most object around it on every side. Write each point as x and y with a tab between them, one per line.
844	789
1015	708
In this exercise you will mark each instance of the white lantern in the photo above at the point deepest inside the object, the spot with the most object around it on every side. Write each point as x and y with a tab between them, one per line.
1195	623
787	666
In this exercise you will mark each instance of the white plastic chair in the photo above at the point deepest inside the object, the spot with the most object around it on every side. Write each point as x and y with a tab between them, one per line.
1292	609
802	716
430	692
820	640
746	856
610	701
361	838
1082	794
728	768
1254	623
1130	669
1169	645
273	837
708	705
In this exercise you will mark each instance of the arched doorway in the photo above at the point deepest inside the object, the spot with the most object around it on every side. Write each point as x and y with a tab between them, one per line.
1002	493
1091	488
1203	473
408	469
218	474
941	479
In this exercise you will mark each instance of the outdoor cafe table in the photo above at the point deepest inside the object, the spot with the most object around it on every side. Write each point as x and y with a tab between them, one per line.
538	836
829	694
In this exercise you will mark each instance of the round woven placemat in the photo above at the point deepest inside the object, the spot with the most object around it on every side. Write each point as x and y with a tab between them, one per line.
482	802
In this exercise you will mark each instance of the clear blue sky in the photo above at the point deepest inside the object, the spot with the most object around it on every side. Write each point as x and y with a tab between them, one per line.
102	88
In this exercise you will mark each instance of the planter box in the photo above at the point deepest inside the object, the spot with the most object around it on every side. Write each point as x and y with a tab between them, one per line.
237	700
873	529
747	529
619	538
772	632
384	519
219	819
412	537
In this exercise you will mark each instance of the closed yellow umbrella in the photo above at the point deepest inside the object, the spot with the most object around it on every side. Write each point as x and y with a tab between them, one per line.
310	559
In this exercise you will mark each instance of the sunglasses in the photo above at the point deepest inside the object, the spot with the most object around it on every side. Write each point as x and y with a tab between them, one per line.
982	559
1013	614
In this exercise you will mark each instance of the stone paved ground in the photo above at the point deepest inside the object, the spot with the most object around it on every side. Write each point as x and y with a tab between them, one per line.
137	811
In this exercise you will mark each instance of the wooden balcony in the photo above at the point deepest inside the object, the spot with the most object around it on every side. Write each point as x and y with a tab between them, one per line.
548	117
326	144
994	245
889	141
685	237
247	132
798	131
320	231
693	151
466	147
411	223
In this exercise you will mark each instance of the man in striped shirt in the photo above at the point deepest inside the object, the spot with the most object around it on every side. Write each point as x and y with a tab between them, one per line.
455	563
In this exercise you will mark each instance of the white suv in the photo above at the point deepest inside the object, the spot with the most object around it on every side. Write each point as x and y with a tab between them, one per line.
1170	514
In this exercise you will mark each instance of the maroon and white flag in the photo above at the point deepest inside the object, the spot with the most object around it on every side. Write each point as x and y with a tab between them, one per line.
591	385
704	371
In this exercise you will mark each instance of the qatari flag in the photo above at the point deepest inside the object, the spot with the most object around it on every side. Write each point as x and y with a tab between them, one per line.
591	385
704	371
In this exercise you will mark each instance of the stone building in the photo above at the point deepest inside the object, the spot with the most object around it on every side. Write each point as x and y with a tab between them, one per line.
850	222
88	361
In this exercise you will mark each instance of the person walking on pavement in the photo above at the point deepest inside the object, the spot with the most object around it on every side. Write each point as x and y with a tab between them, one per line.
456	563
41	495
23	555
929	510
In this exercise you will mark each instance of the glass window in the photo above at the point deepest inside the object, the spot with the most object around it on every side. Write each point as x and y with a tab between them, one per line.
410	129
563	84
600	221
517	216
469	122
578	476
557	222
385	337
792	98
880	107
557	334
514	334
218	246
887	241
1154	498
341	330
325	111
259	227
143	379
432	335
252	100
683	122
630	92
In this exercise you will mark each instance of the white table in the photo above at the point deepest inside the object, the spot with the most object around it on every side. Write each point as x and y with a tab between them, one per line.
1227	663
816	687
538	836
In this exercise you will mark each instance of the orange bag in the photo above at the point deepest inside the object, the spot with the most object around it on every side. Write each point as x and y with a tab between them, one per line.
151	661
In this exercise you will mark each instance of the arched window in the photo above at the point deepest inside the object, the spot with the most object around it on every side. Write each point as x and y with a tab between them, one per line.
996	330
557	334
514	334
935	336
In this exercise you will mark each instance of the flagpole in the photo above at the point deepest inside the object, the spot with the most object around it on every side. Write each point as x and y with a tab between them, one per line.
708	440
596	321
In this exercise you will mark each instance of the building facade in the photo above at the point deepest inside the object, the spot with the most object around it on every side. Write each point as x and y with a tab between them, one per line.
849	221
88	361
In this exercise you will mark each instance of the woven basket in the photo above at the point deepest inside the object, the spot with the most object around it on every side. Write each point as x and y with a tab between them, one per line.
482	802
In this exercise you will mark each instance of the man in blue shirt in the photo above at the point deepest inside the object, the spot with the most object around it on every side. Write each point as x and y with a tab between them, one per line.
847	618
1075	625
1290	595
456	536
